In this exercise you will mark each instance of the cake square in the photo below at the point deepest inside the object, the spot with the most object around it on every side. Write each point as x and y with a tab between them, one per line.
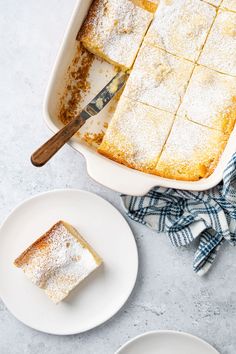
219	52
149	5
210	99
181	27
191	152
58	261
114	30
158	79
136	135
229	4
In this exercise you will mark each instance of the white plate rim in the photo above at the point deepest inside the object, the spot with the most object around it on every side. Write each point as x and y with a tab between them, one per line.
116	309
184	334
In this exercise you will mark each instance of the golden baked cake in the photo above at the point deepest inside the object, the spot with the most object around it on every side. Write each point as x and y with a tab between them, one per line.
58	261
178	107
181	27
114	30
149	5
229	5
210	99
158	79
219	52
136	135
191	152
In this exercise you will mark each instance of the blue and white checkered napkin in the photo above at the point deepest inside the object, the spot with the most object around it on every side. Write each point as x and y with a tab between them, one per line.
185	215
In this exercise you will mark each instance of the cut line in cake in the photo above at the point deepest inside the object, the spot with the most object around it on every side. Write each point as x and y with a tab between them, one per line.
229	5
210	100
181	27
192	155
215	3
149	5
158	79
136	135
221	40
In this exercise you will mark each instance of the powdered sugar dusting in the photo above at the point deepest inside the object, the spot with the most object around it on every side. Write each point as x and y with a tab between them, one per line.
137	134
181	27
115	29
58	263
158	79
210	99
191	151
219	52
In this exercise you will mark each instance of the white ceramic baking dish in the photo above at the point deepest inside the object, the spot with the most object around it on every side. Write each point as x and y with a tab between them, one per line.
109	173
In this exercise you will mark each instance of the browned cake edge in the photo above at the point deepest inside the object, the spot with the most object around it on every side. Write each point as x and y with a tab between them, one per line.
41	242
108	151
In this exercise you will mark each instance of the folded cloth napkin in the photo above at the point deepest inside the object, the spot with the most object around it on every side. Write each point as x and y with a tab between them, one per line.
186	215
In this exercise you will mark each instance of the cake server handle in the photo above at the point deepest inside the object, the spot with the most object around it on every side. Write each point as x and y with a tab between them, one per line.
47	150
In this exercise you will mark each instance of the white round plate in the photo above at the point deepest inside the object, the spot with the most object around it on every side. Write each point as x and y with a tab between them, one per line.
99	296
166	342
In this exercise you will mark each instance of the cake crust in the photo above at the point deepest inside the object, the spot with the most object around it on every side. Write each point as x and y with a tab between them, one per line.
191	152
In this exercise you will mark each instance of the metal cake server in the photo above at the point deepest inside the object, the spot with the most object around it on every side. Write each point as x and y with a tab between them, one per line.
47	150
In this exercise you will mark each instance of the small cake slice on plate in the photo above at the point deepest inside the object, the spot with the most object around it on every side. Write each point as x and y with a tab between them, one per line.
114	30
219	52
191	151
229	5
158	79
181	27
210	99
58	261
136	135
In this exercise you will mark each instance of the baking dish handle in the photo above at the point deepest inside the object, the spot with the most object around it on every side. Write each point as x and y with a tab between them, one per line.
117	177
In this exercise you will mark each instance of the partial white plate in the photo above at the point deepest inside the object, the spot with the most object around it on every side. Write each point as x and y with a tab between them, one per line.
99	296
166	342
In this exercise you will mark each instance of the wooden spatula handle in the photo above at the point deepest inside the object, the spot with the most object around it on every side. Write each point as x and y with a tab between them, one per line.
47	150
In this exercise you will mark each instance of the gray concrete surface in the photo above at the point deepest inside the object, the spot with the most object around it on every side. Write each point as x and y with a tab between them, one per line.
168	295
